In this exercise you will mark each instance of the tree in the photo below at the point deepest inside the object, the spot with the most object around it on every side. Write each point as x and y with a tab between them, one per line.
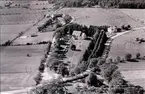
92	62
73	47
58	25
128	57
101	62
62	69
107	70
134	90
138	55
118	59
41	67
38	78
92	80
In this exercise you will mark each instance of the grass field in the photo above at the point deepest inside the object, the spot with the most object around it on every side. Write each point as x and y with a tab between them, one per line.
18	70
99	16
136	14
9	32
127	44
132	71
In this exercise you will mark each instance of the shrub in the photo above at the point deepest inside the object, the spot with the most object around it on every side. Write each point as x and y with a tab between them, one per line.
128	57
54	64
58	25
81	67
73	47
138	55
101	62
134	90
41	67
67	18
38	78
62	69
109	60
92	62
107	70
118	59
92	80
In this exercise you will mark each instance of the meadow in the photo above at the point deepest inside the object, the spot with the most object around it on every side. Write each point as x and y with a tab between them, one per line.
99	16
136	14
122	45
17	69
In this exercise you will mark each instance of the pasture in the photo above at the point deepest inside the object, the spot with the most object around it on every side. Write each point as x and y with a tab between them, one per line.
9	32
17	69
99	16
136	14
132	71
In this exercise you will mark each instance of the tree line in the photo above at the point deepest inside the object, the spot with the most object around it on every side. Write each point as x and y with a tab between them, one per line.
136	4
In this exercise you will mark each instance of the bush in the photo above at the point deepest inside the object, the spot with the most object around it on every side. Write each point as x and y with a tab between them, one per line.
92	62
58	25
41	67
62	69
81	67
128	57
101	62
67	18
107	70
118	59
54	64
92	80
73	47
134	90
138	55
38	78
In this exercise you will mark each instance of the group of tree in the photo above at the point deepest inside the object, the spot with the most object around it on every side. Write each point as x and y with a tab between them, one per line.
41	68
140	4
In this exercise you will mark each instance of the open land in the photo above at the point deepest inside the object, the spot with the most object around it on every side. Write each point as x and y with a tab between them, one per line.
132	71
18	70
99	16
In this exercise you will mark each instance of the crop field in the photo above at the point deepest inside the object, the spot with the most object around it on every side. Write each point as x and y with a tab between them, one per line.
22	18
132	71
99	16
136	14
33	4
19	64
9	32
18	70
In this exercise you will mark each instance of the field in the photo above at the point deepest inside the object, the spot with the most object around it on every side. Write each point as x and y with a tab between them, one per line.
136	14
15	20
18	70
9	32
132	71
99	16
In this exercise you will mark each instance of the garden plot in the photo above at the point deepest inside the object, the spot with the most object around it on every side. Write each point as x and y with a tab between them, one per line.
99	16
75	56
17	68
